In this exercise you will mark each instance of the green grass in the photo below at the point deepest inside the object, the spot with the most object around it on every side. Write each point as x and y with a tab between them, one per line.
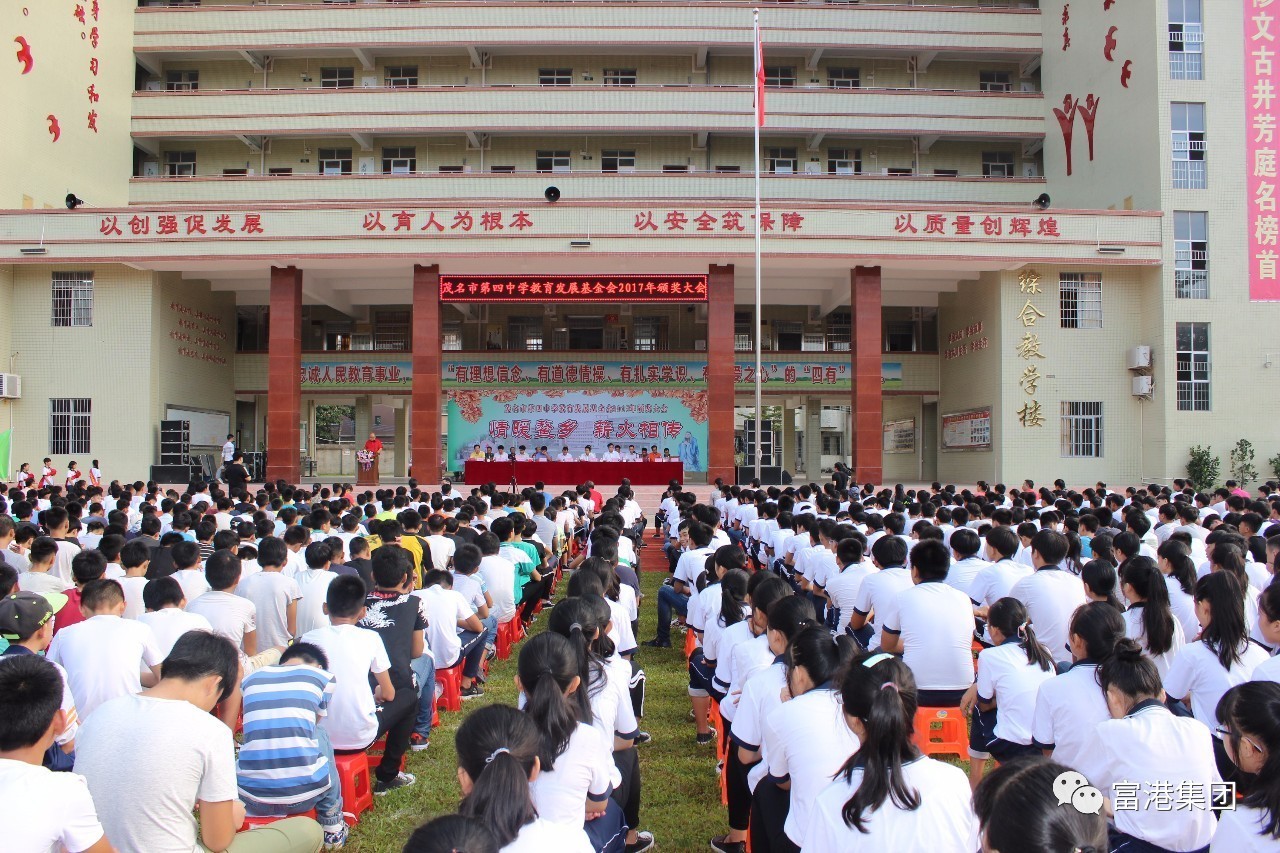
680	799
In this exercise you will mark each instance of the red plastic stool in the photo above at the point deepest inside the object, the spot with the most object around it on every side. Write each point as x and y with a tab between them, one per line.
255	822
507	637
357	784
690	642
949	738
451	680
379	748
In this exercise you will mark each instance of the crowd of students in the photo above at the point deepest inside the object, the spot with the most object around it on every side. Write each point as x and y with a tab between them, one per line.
1125	637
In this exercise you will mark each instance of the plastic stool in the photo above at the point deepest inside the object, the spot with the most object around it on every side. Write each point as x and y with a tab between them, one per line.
255	822
451	680
357	784
949	738
506	637
690	642
717	723
379	748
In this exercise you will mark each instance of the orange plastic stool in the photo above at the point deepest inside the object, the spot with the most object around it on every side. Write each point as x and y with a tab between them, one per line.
506	637
255	822
357	784
690	642
949	738
379	748
451	680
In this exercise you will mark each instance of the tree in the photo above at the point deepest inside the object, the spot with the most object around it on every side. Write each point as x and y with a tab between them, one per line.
329	421
1203	468
1274	462
1241	458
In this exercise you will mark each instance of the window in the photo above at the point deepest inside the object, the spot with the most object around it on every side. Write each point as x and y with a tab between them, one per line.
401	76
180	164
252	328
337	78
619	76
844	78
1081	430
832	445
69	425
525	333
1080	300
280	172
844	161
909	329
335	161
1193	367
72	299
780	161
779	76
997	164
1187	125
1190	254
649	334
392	329
617	161
399	161
1186	40
555	76
182	81
552	161
994	81
728	170
839	331
451	337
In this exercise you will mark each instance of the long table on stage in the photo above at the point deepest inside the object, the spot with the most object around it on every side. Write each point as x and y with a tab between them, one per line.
572	473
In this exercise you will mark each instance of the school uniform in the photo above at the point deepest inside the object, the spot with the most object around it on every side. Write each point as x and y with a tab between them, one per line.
1268	670
1134	630
877	593
1183	606
962	572
995	581
1150	749
935	622
761	693
1241	831
703	615
944	821
726	642
1197	670
746	659
583	771
1051	596
1007	677
842	592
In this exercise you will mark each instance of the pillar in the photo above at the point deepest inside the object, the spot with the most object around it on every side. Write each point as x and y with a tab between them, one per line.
865	309
427	399
401	441
284	364
787	448
720	387
813	439
363	420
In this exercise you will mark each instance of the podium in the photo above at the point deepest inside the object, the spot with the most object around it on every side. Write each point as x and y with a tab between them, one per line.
368	476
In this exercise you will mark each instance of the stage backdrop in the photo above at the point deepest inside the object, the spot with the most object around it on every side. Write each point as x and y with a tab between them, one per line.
674	420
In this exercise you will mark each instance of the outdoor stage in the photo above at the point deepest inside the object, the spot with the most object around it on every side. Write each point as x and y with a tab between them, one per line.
600	473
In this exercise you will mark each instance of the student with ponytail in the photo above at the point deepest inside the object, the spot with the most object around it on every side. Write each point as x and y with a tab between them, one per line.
1010	674
575	759
1101	582
805	738
1249	717
498	750
1179	570
1070	705
1149	619
1144	747
1269	629
888	797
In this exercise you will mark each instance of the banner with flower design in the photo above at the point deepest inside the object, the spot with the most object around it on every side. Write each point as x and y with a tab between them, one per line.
674	420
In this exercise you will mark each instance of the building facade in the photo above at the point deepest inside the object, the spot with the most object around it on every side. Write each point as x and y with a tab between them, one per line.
1000	241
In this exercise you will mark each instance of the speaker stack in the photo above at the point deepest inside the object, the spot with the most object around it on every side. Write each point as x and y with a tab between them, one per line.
175	453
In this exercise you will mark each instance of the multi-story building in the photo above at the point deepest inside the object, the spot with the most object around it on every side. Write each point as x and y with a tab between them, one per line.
997	241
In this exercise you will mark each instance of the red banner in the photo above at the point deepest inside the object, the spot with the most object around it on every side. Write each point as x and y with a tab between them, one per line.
1260	150
573	288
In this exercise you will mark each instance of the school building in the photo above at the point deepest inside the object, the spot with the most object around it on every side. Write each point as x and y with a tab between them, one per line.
1000	240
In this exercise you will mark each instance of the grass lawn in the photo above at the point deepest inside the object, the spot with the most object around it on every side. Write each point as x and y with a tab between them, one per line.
681	802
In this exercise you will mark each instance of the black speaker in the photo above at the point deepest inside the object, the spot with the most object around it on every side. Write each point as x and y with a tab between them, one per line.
172	473
1042	201
551	194
770	475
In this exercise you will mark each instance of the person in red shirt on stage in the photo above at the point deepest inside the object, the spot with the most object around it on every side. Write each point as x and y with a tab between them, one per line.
374	444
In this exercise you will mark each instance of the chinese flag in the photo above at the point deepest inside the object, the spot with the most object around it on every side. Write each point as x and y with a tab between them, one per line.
759	55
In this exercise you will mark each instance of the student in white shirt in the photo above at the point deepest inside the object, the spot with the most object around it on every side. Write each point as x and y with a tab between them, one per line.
499	575
1149	619
232	616
895	798
274	595
1145	745
965	547
931	625
1249	718
498	755
454	632
1069	706
878	592
1050	593
105	655
166	616
1018	810
842	587
313	582
1269	629
1179	570
1010	674
805	738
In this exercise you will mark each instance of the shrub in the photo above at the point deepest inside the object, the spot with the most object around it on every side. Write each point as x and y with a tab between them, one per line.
1241	459
1203	468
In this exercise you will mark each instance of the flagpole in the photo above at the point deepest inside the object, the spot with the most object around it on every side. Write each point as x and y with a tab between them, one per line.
759	115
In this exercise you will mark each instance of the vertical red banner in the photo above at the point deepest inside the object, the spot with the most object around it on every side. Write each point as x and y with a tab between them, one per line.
1260	146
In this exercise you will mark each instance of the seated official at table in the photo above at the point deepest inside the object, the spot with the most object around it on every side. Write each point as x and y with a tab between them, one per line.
587	455
521	455
477	453
565	455
613	455
540	455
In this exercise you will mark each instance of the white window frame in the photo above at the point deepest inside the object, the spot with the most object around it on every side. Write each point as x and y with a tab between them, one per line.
844	161
1189	145
1186	40
997	164
70	426
338	77
1081	430
1080	300
844	78
399	160
1190	254
617	160
180	164
559	161
780	76
451	337
72	300
334	164
401	76
182	81
995	81
781	161
555	76
619	76
1194	374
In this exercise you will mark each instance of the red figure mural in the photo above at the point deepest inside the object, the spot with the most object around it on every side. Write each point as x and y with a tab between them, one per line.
24	54
1110	44
54	130
1125	73
1088	115
1066	120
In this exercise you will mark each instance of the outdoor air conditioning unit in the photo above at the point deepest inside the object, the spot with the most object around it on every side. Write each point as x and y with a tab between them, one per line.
1139	358
10	386
1143	386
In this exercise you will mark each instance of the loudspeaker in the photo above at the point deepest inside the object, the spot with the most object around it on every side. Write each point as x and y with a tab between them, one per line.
173	473
770	475
551	193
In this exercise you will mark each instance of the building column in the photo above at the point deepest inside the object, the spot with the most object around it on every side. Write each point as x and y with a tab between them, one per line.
787	446
284	365
813	439
428	399
865	310
720	388
363	419
401	440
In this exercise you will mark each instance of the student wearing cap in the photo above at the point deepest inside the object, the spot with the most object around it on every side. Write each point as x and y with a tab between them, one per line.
26	623
40	810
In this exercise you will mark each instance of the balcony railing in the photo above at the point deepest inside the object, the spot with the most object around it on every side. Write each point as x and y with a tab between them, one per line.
573	110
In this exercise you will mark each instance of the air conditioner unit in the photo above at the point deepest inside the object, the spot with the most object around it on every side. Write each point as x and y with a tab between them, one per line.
1139	357
10	386
1143	386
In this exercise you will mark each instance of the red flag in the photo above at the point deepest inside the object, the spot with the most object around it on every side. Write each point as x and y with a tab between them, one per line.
759	55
